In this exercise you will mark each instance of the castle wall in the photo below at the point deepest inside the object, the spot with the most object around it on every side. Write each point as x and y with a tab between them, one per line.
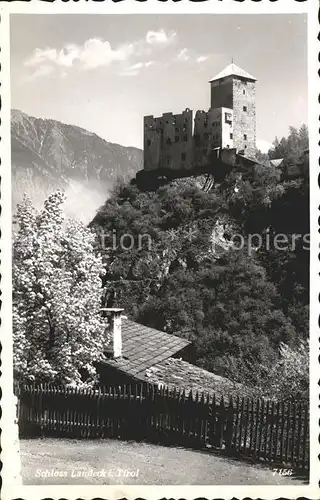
227	124
152	143
213	129
244	116
168	141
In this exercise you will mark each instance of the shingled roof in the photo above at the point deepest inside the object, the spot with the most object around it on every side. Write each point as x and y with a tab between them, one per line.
143	347
178	374
233	70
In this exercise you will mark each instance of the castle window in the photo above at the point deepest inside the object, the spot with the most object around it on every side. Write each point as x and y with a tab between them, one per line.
245	108
245	147
231	136
183	156
177	130
228	117
148	142
176	138
245	136
169	141
185	138
244	92
206	136
205	124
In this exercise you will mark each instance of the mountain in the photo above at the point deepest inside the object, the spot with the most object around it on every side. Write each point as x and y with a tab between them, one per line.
47	155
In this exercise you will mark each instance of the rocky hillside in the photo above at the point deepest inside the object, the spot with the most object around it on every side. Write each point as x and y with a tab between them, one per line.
47	155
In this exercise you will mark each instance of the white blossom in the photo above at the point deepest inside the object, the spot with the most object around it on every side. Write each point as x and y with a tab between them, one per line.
58	331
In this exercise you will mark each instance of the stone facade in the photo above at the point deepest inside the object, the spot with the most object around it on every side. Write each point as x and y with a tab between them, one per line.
244	116
212	129
240	95
168	142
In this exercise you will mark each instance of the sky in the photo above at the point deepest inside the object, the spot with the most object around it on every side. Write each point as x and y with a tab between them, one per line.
105	72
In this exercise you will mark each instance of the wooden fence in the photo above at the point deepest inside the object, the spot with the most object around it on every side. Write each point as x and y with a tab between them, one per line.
262	430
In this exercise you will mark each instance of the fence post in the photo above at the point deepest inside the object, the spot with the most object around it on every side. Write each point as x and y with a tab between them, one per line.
229	425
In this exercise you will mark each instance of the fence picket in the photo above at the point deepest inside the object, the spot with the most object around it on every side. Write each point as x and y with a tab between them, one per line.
287	441
298	441
305	458
293	434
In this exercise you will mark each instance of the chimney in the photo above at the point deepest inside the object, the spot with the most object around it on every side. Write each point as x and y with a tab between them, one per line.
114	315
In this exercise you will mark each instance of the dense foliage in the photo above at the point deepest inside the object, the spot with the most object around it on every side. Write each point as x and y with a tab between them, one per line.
238	306
202	265
58	333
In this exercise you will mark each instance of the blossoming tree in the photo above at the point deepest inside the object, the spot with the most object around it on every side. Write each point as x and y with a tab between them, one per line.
58	332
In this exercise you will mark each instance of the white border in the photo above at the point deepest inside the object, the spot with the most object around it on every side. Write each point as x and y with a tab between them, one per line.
10	490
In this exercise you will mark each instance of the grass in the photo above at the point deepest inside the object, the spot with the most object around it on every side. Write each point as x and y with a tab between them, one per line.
96	462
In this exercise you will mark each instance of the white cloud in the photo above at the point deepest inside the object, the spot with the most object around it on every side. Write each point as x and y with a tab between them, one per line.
159	37
43	70
96	52
201	59
41	55
92	54
183	55
135	68
263	145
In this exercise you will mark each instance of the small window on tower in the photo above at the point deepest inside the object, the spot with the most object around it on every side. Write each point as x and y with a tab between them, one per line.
183	156
169	141
244	92
231	136
205	124
245	136
148	142
185	138
176	138
245	108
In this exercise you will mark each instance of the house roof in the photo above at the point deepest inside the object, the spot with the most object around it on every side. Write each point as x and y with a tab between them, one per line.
247	159
277	162
233	70
143	347
178	374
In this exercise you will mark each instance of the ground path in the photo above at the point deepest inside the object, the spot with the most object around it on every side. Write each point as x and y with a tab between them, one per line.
71	461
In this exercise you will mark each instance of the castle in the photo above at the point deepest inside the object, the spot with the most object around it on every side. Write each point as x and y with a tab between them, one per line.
176	143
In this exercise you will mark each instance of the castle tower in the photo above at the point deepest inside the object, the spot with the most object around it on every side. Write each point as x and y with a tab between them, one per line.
234	89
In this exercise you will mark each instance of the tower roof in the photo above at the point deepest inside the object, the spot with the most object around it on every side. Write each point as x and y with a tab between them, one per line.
232	70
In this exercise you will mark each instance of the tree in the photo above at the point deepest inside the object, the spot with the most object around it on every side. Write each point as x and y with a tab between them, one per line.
292	147
288	378
229	309
58	333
